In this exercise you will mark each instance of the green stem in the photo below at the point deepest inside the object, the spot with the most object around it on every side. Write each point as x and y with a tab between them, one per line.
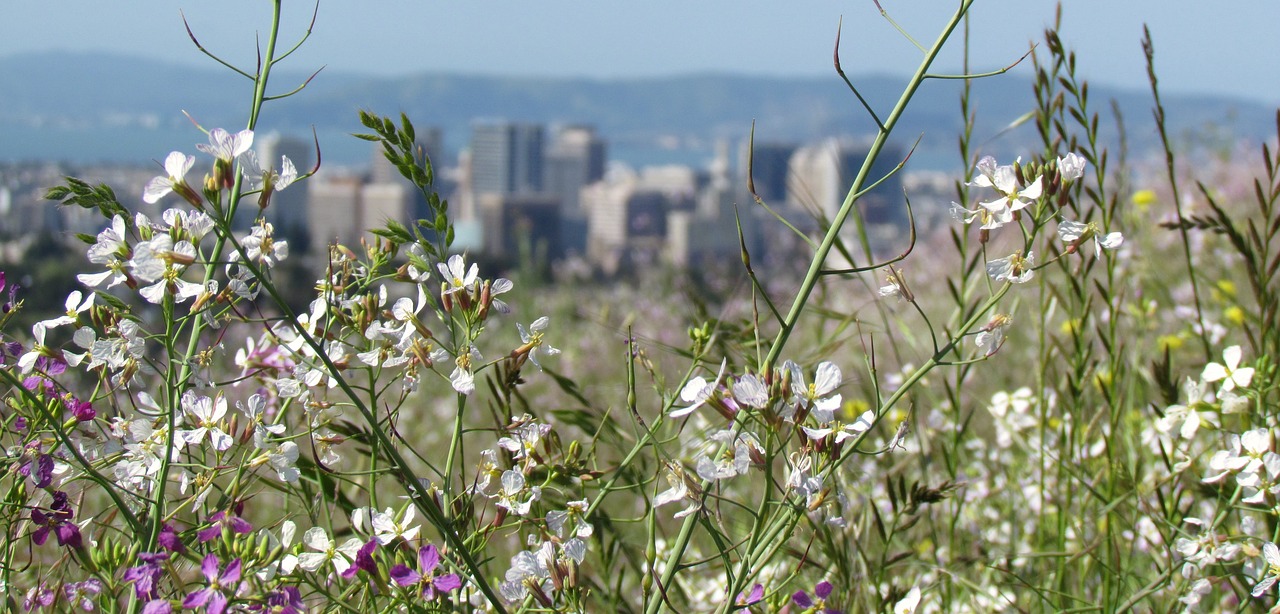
832	235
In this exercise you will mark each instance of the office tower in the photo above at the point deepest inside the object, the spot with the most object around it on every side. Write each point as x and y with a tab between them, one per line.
821	175
506	158
575	159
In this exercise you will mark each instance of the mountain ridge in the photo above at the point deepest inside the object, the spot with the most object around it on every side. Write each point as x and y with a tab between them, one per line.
103	106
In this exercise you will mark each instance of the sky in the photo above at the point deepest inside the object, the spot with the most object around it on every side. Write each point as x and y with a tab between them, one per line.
1207	47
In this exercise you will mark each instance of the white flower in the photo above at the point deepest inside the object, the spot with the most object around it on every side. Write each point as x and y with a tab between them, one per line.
258	178
814	396
387	529
990	219
207	414
1272	555
513	486
463	378
110	249
1229	372
457	276
1014	268
843	431
262	248
696	392
524	438
1004	180
734	461
326	551
226	146
750	391
679	491
284	458
288	561
176	166
909	602
1187	418
532	339
500	285
1071	166
991	337
1075	233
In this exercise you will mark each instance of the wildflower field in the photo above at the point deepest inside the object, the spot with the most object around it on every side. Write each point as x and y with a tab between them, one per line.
1067	402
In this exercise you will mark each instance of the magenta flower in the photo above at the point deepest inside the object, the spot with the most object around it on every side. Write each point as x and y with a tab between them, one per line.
428	560
82	410
752	598
817	603
36	465
58	521
145	576
225	520
212	597
82	594
286	600
169	540
39	597
364	560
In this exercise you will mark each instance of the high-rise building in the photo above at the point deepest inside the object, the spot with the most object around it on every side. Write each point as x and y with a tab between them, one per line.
506	158
820	176
575	158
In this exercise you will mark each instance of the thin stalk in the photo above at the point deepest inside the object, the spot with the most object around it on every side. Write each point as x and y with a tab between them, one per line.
832	236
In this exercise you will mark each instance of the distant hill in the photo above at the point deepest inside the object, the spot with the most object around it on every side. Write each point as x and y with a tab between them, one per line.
88	107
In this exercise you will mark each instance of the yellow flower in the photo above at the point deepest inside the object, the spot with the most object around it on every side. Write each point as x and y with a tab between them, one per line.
1143	199
1234	314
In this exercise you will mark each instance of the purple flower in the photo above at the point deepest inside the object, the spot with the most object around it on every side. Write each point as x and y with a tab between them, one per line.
82	410
145	576
211	597
10	349
158	606
169	540
428	560
58	520
754	597
37	465
39	597
817	603
221	520
286	600
364	560
83	593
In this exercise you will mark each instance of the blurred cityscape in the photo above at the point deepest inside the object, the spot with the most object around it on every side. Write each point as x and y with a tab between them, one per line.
522	189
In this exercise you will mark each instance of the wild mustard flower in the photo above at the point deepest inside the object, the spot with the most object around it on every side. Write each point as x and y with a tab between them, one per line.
1073	234
1004	181
1013	268
697	392
1271	554
176	165
1071	166
1229	371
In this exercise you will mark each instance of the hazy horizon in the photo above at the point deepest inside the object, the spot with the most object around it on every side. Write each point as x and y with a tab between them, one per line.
1200	48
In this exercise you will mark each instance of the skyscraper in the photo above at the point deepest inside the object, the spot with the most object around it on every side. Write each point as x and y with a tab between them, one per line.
506	158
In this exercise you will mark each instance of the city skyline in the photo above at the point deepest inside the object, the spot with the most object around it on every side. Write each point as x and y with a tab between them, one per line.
1199	46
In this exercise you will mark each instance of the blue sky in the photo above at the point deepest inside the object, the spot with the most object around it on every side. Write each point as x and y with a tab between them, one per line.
1212	47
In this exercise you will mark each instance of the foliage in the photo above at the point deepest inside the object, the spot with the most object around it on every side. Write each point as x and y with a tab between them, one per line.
1049	415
